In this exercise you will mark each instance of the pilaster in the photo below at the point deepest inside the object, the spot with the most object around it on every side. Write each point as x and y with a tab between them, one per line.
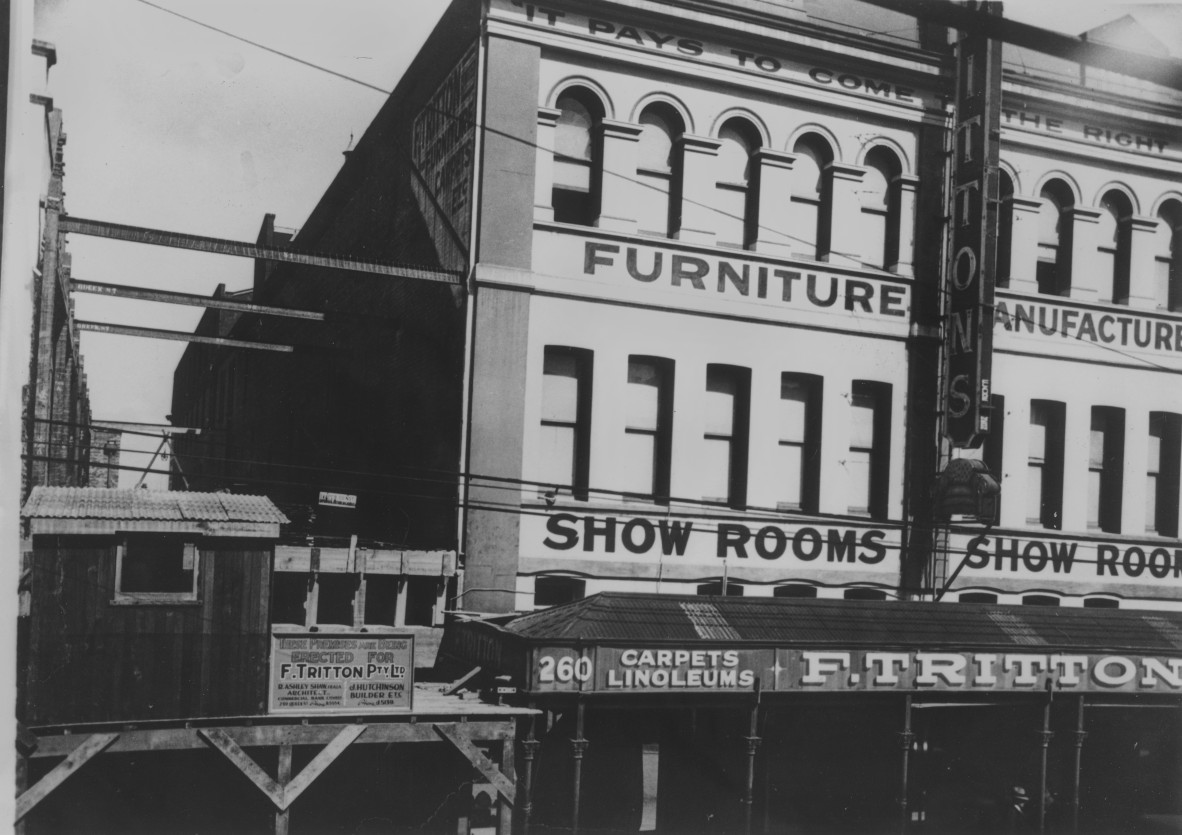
908	186
544	178
618	197
845	243
1023	265
775	194
698	182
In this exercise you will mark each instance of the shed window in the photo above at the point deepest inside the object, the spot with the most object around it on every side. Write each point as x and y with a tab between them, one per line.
156	569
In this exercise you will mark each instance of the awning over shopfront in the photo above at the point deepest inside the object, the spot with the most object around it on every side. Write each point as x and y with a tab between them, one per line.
666	644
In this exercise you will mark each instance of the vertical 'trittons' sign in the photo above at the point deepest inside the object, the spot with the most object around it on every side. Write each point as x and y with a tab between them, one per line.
969	324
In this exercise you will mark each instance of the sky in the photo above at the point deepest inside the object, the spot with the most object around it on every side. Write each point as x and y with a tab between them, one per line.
171	125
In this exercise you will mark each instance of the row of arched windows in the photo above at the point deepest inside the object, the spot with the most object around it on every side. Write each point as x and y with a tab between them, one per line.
1105	253
809	206
721	186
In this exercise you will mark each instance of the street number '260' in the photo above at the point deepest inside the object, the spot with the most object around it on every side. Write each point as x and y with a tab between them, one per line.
564	669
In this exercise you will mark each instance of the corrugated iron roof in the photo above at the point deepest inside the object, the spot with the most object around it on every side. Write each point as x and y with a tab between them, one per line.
158	505
633	618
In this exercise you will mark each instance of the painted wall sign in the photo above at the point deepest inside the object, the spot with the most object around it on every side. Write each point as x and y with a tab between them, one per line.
443	142
777	65
713	668
702	540
319	672
1109	136
970	279
1059	323
1068	560
738	285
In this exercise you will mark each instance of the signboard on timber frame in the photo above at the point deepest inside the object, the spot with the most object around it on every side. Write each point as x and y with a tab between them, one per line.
338	672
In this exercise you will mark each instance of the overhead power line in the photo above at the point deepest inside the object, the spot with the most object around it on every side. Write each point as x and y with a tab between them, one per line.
266	48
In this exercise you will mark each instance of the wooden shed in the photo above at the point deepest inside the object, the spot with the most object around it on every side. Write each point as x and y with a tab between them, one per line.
148	642
139	601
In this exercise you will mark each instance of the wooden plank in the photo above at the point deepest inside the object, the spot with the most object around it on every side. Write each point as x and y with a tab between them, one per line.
178	336
221	246
171	297
26	740
220	740
149	429
283	773
505	787
80	756
458	685
320	762
490	727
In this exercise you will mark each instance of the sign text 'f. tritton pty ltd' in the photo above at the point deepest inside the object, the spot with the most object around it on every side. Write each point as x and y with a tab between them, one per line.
712	668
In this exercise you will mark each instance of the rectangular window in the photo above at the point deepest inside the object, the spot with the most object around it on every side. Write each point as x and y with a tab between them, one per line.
381	599
422	593
289	597
991	453
336	595
156	568
1106	468
1161	494
648	423
565	436
554	591
1044	483
725	441
799	453
868	463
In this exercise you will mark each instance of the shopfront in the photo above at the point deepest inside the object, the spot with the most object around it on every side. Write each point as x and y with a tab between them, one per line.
677	714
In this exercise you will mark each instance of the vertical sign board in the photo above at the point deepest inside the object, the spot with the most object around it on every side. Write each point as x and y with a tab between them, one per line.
969	323
341	672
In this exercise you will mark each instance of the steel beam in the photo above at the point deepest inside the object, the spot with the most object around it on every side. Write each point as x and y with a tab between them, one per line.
171	297
178	336
221	246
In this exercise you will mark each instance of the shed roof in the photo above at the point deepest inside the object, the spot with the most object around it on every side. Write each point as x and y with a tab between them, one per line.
100	510
619	617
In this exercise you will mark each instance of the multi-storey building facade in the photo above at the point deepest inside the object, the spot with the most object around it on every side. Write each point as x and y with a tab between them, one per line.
699	338
709	305
1085	439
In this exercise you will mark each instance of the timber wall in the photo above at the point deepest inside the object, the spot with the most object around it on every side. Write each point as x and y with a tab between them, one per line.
88	660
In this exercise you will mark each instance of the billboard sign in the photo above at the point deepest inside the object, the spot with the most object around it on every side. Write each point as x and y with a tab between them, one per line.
973	254
325	672
713	667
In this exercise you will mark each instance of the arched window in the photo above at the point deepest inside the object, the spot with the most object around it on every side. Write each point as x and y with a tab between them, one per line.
1167	245
1054	239
659	171
736	191
809	210
1113	240
1005	227
880	209
577	158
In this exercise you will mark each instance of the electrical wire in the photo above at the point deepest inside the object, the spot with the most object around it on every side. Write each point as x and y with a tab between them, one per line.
266	48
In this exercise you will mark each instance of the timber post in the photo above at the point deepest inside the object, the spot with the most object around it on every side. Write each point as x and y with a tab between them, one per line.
578	747
906	738
530	751
753	741
283	775
1044	742
1079	735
